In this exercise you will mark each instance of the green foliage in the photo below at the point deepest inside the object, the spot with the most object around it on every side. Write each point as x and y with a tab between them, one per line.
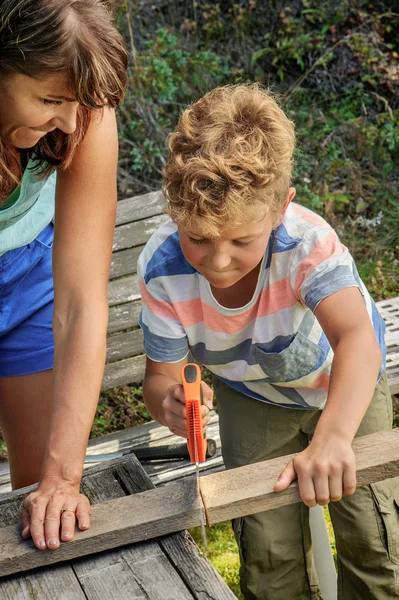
335	65
119	408
165	76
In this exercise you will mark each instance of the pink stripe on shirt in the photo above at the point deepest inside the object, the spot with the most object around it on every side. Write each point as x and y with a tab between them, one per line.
330	246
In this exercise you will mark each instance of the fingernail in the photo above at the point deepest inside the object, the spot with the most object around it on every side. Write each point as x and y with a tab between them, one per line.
52	542
66	535
83	525
42	543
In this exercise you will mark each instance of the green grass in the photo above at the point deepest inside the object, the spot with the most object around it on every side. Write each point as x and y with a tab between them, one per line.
222	552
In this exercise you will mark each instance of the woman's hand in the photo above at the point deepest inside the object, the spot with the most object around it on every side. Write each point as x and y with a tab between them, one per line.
325	471
174	408
49	514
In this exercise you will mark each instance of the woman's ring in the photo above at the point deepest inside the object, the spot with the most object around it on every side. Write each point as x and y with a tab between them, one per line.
64	509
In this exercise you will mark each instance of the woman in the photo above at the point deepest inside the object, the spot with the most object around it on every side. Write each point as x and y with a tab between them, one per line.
62	73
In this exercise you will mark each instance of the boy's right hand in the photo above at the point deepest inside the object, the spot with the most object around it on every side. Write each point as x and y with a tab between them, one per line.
174	408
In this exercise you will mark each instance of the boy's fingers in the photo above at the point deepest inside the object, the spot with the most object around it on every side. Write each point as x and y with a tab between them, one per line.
335	484
207	394
307	490
322	490
176	391
286	478
349	482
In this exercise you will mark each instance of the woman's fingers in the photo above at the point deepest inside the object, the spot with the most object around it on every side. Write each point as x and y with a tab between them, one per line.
50	519
25	518
54	517
83	513
37	514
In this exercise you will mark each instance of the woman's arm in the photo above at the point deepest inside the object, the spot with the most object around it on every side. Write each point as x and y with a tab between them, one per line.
326	469
84	229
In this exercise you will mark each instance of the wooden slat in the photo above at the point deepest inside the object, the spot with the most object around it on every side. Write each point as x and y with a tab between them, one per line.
185	556
55	583
136	233
227	495
124	371
136	572
123	290
124	262
124	345
124	316
140	207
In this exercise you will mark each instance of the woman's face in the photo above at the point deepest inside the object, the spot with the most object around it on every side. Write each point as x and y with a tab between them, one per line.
30	108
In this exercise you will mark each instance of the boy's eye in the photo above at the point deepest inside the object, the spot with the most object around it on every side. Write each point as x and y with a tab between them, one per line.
237	243
54	102
195	241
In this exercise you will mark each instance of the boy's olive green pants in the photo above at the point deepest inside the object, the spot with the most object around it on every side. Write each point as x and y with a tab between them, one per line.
275	546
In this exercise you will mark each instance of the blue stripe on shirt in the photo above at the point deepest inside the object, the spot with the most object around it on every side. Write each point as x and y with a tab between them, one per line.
168	259
163	349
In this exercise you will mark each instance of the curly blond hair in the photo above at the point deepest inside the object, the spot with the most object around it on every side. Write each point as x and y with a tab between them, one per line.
230	157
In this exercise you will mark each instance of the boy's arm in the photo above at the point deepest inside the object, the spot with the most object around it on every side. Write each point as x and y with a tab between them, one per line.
326	469
164	397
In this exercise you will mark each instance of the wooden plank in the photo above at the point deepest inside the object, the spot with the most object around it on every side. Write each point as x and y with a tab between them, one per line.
124	345
163	510
138	572
124	316
249	489
123	290
55	583
124	262
125	371
140	207
136	233
186	557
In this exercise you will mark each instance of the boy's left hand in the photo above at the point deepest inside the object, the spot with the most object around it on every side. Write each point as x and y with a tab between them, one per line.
325	471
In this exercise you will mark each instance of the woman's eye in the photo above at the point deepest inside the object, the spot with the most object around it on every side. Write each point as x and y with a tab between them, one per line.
54	102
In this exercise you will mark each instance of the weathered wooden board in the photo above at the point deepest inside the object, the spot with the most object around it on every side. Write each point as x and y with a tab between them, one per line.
55	583
124	371
124	262
163	510
140	207
249	489
136	233
165	569
124	316
138	572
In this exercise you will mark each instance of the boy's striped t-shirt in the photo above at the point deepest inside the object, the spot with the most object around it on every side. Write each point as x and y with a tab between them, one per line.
273	348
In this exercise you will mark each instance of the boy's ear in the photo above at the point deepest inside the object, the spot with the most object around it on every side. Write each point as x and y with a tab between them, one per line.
290	197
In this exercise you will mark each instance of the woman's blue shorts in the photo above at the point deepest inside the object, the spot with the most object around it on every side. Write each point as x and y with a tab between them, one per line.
26	307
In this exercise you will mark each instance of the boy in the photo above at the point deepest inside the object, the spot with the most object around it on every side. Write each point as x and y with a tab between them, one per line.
262	292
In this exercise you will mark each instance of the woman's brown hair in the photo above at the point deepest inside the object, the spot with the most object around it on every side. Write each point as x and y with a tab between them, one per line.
43	37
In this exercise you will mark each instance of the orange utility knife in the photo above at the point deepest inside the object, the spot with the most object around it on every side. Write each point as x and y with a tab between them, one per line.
197	444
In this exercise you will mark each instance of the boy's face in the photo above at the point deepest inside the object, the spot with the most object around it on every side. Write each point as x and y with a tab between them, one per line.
237	252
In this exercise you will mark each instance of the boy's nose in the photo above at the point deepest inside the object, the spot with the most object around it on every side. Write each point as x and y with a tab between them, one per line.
220	260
